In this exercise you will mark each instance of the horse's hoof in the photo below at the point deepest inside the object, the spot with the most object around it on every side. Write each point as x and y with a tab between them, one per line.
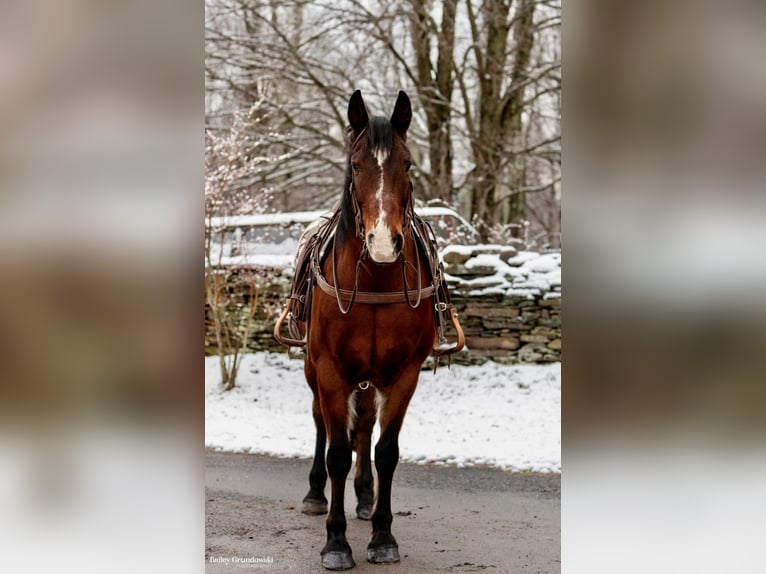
337	560
314	507
387	554
364	511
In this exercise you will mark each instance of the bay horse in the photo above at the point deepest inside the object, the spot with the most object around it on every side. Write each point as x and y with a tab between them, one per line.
363	360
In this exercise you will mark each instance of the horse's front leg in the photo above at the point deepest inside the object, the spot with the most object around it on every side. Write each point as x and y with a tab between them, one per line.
393	402
334	394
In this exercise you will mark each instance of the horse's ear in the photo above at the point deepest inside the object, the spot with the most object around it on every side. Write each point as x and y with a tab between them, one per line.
402	116
357	113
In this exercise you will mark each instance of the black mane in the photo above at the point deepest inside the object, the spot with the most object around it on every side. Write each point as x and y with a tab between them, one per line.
346	222
380	137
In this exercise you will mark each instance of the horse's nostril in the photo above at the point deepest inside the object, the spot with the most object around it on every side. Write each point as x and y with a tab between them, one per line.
370	237
398	241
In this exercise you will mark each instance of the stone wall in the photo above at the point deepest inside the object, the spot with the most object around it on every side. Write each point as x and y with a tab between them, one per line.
510	329
508	302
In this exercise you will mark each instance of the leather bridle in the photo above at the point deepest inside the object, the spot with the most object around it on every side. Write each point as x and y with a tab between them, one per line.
373	298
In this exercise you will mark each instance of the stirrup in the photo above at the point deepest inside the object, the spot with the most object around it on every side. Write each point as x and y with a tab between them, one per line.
289	341
444	347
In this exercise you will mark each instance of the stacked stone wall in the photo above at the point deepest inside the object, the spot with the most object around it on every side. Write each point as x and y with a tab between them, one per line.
509	304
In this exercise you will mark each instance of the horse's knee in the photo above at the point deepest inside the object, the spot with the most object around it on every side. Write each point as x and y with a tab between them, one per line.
338	460
386	454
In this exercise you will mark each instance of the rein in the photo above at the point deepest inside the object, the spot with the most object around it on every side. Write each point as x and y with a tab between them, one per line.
419	290
342	296
335	276
406	295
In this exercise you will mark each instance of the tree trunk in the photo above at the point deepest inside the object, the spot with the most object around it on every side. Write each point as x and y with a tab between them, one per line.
435	91
490	149
524	36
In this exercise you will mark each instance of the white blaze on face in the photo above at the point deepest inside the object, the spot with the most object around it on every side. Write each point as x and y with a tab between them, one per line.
381	155
381	247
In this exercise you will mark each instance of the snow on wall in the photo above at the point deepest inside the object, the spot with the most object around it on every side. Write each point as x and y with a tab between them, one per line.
508	302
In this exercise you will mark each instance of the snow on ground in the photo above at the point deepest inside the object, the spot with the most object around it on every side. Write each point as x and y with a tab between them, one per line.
504	416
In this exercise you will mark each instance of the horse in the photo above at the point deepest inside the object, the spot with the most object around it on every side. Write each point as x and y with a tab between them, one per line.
363	360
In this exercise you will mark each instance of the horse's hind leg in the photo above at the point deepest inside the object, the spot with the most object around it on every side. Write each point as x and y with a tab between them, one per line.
361	437
315	501
383	548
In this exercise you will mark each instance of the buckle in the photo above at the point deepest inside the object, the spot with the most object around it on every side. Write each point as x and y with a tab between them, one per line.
441	306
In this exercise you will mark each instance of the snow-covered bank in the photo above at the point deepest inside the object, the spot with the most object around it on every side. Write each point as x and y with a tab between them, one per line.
505	416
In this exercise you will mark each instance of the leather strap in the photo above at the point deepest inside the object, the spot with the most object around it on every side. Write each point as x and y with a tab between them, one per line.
369	297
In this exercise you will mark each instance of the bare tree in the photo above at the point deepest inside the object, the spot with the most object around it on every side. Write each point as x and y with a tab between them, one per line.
485	73
435	86
230	161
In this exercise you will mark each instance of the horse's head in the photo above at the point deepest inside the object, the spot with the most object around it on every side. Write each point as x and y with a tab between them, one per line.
379	163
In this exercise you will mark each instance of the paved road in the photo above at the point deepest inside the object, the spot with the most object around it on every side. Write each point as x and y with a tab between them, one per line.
445	519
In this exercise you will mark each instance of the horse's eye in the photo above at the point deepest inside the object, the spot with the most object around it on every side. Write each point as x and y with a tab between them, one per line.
355	167
407	165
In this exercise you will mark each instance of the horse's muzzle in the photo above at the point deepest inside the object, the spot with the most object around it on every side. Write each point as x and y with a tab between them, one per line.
384	247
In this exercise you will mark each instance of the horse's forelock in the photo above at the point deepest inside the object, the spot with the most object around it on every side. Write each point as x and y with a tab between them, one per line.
380	138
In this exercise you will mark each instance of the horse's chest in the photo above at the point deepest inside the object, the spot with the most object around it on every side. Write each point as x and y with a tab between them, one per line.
380	338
